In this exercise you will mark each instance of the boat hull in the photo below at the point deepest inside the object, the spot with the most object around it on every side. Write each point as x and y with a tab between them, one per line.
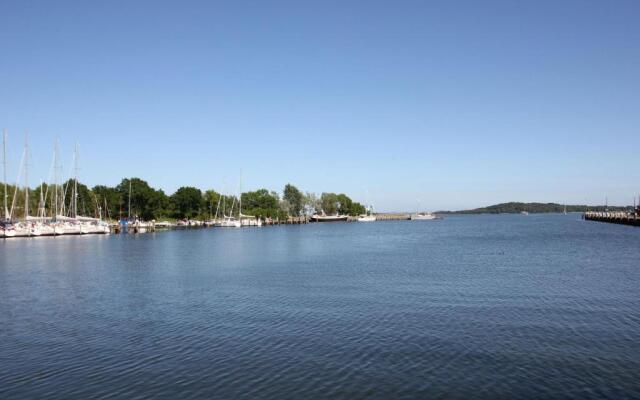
329	218
420	217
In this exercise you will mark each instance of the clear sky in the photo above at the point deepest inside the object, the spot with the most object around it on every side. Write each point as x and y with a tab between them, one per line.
456	104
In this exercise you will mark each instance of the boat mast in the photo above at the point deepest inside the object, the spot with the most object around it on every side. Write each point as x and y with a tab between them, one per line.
75	182
26	176
55	180
129	208
240	197
4	164
41	207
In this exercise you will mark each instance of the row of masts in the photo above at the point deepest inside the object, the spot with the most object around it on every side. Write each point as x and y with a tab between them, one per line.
59	191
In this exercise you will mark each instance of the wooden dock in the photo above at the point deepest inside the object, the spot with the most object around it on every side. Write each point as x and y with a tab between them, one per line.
617	217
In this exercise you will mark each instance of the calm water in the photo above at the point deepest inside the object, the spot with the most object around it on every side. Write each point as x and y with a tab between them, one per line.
467	307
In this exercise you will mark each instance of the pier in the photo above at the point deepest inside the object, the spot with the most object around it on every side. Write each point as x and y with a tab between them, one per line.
618	217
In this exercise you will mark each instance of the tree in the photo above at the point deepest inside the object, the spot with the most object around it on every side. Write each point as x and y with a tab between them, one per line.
311	203
146	202
187	202
111	198
329	203
86	201
294	199
211	199
260	203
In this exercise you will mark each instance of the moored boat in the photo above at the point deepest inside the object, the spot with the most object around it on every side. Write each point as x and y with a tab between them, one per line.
423	216
329	218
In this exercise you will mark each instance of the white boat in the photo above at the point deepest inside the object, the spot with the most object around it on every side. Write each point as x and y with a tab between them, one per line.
229	222
524	212
71	228
21	230
423	216
7	230
367	216
46	229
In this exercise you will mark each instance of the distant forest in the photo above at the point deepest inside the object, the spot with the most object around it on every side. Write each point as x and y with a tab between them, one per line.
515	207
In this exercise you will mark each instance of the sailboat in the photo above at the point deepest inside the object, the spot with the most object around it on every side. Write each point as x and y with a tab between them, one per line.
230	221
246	220
368	215
136	225
7	229
28	227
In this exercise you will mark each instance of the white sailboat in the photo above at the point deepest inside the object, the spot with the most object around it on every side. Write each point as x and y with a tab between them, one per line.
27	227
230	221
368	216
136	225
422	215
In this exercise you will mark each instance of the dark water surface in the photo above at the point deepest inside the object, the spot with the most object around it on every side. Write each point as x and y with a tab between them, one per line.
468	307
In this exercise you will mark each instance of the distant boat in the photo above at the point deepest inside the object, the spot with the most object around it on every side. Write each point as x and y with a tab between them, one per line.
423	216
524	212
367	216
329	218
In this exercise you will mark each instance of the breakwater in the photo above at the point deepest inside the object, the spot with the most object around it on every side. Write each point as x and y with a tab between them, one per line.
617	217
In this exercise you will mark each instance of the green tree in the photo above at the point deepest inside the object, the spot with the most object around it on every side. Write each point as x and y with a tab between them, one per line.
329	203
294	199
211	199
187	202
86	200
261	203
146	202
110	200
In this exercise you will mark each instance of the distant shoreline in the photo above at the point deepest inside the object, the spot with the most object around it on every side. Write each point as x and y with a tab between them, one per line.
535	208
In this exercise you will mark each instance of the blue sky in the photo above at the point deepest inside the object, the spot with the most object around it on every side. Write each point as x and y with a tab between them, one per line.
455	104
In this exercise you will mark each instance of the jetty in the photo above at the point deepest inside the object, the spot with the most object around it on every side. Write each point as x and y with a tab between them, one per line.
615	217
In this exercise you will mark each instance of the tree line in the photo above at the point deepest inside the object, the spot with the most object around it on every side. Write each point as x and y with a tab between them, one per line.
135	197
518	207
